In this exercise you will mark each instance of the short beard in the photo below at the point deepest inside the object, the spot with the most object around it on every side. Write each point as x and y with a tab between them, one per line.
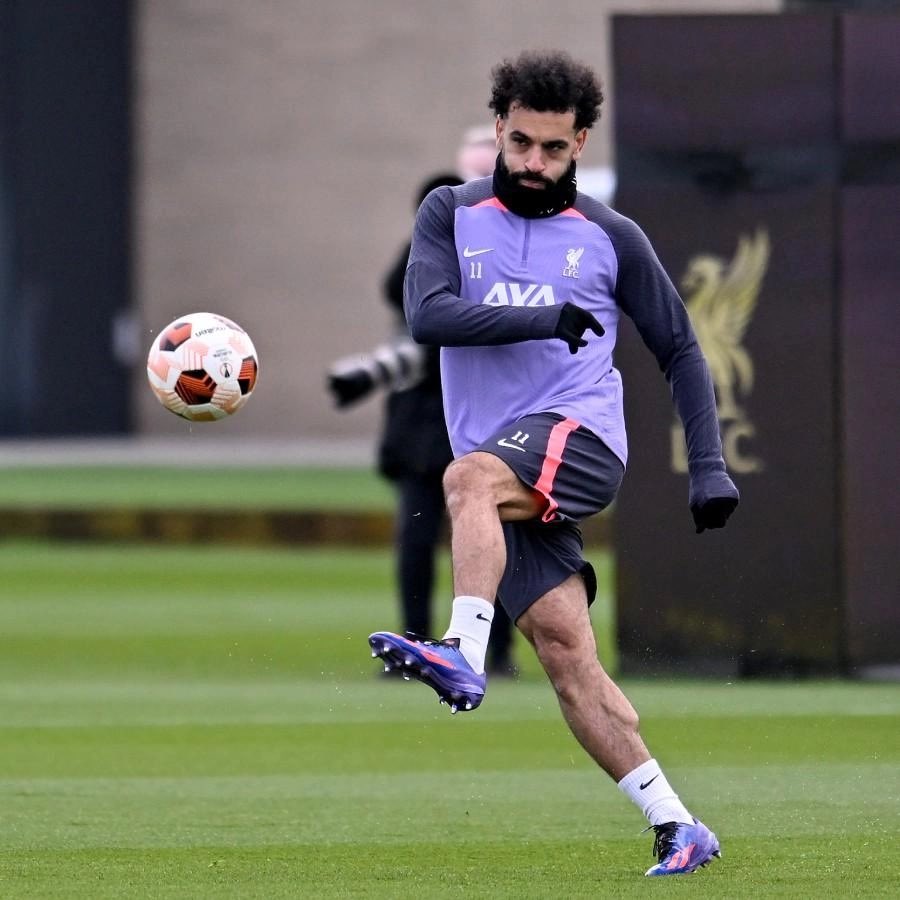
532	202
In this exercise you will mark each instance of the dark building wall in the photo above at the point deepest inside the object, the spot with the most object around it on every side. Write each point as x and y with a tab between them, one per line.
767	179
65	187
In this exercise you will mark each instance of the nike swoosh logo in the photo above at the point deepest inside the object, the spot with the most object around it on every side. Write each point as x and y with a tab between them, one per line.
467	253
483	618
647	784
430	656
503	442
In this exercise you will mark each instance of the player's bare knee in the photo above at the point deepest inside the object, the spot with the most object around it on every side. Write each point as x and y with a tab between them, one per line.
470	476
456	483
561	660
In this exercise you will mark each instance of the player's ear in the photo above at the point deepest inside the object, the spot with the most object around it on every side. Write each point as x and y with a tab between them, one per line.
580	140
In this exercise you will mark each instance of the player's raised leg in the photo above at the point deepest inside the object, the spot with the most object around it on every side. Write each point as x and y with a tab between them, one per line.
481	491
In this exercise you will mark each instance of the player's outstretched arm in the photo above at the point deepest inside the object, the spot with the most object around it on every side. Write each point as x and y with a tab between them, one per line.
648	296
435	312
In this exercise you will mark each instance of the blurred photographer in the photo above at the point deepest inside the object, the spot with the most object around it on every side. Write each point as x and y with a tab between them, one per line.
414	448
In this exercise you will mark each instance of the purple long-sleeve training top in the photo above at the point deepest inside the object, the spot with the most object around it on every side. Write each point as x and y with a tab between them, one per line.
488	287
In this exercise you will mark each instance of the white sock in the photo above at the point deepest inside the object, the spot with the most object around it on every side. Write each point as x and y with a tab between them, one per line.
648	788
471	623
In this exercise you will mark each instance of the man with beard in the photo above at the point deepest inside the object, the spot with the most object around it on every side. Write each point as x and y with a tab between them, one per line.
521	280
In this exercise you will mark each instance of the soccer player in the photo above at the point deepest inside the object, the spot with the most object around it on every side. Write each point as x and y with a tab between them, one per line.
521	280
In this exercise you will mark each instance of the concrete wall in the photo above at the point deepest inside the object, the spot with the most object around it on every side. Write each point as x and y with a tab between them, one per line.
279	144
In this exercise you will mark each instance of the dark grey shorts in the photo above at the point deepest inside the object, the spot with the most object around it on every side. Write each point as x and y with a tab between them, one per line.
579	476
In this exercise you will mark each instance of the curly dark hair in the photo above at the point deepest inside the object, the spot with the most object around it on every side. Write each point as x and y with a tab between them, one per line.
547	81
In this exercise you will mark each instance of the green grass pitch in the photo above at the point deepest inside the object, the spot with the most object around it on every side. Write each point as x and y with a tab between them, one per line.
171	487
207	722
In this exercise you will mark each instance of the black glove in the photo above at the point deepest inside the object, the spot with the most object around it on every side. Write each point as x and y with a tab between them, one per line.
713	513
349	387
572	324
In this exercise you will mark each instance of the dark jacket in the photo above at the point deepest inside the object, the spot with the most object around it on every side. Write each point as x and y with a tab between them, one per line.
414	440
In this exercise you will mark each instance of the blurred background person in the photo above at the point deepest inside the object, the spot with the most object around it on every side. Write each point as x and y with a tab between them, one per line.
477	152
414	449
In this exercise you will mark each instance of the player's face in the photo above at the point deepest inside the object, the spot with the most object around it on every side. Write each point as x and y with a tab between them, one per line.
538	147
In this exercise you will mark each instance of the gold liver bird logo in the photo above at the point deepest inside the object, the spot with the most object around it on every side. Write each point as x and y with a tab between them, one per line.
721	298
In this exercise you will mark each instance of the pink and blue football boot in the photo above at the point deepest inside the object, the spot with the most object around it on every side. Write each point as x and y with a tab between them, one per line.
682	848
439	664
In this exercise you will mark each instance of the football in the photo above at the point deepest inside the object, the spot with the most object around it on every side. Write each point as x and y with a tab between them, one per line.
202	367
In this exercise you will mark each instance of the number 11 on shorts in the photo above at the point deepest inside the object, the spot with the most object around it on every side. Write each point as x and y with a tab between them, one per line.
515	442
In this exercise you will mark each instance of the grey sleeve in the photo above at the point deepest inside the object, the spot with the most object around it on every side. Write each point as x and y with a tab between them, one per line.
434	310
646	294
